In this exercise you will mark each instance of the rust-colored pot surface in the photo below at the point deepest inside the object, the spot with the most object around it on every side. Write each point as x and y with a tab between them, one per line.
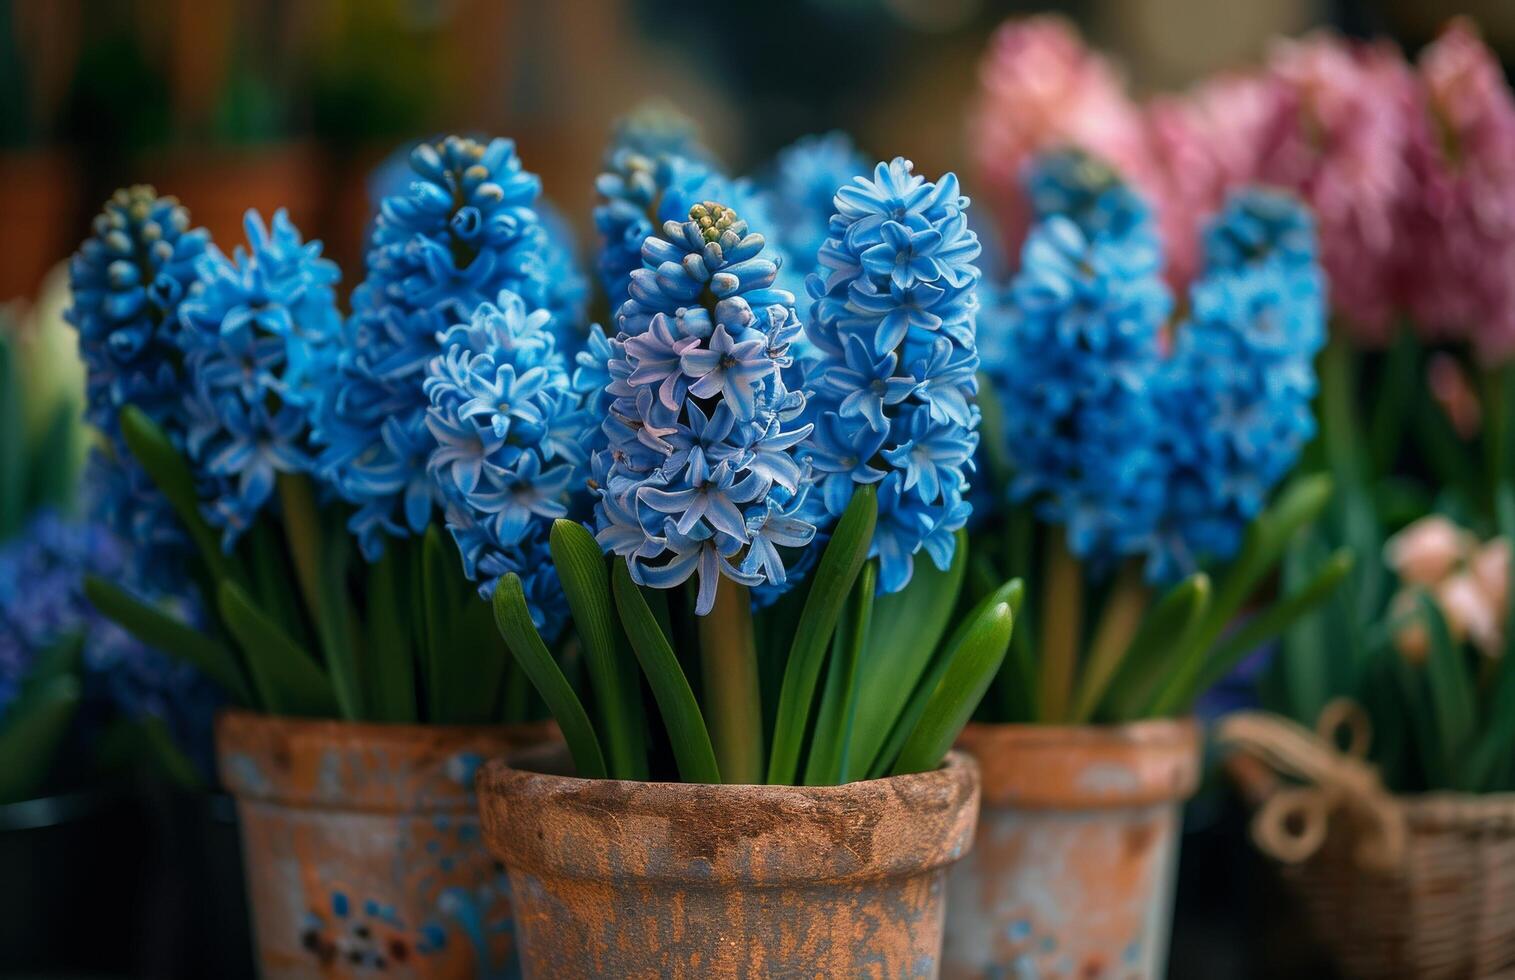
362	846
1072	870
633	880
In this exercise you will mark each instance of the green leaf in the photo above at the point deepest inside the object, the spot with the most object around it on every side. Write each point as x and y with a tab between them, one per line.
1452	701
1425	737
612	677
841	562
687	733
54	465
1392	399
159	630
34	729
1151	656
391	667
1013	594
514	621
1062	623
907	632
302	536
1299	504
830	745
1263	627
439	607
1304	663
172	476
1119	623
481	651
287	678
336	627
991	428
1496	745
13	448
968	675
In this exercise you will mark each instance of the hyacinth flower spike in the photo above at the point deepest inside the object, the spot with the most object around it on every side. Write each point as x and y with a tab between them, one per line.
712	471
288	429
1148	450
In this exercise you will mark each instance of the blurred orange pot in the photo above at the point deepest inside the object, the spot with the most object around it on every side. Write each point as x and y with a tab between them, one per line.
631	879
219	184
1071	874
39	196
362	846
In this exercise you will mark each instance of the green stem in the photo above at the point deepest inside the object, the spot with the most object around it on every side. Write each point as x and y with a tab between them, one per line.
1118	623
1495	432
728	665
302	532
1062	616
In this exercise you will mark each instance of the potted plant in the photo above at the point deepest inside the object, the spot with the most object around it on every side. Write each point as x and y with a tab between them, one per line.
84	709
274	458
1401	687
1135	454
758	776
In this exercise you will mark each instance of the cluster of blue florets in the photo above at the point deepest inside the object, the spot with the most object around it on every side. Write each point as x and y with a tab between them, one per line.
1076	357
700	474
465	230
1236	392
893	362
1138	450
806	176
510	442
260	339
128	279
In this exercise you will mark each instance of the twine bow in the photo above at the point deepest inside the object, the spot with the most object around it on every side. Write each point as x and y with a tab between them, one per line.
1293	821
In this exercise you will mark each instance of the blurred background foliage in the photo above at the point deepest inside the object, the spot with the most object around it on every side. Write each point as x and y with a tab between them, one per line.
237	103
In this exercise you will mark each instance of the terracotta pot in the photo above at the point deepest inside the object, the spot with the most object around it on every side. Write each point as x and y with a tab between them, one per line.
1073	867
628	879
39	196
362	847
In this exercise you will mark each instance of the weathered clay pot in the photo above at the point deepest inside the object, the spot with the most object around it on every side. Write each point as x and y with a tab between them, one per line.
629	880
362	846
1072	870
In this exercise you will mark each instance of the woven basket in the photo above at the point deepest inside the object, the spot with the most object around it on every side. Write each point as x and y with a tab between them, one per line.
1447	912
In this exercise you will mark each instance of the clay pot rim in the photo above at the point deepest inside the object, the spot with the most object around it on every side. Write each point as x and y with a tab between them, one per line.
501	771
262	757
1146	731
1086	767
388	732
745	834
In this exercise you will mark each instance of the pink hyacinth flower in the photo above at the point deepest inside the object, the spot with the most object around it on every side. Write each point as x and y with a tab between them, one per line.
1042	88
1459	254
1205	143
1338	138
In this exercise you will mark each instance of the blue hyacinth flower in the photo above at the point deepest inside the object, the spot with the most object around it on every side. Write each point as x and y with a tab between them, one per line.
893	360
466	229
699	474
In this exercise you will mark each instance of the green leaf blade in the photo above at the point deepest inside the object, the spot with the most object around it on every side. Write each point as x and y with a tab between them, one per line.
840	564
513	618
159	630
971	669
827	762
287	678
617	692
692	748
